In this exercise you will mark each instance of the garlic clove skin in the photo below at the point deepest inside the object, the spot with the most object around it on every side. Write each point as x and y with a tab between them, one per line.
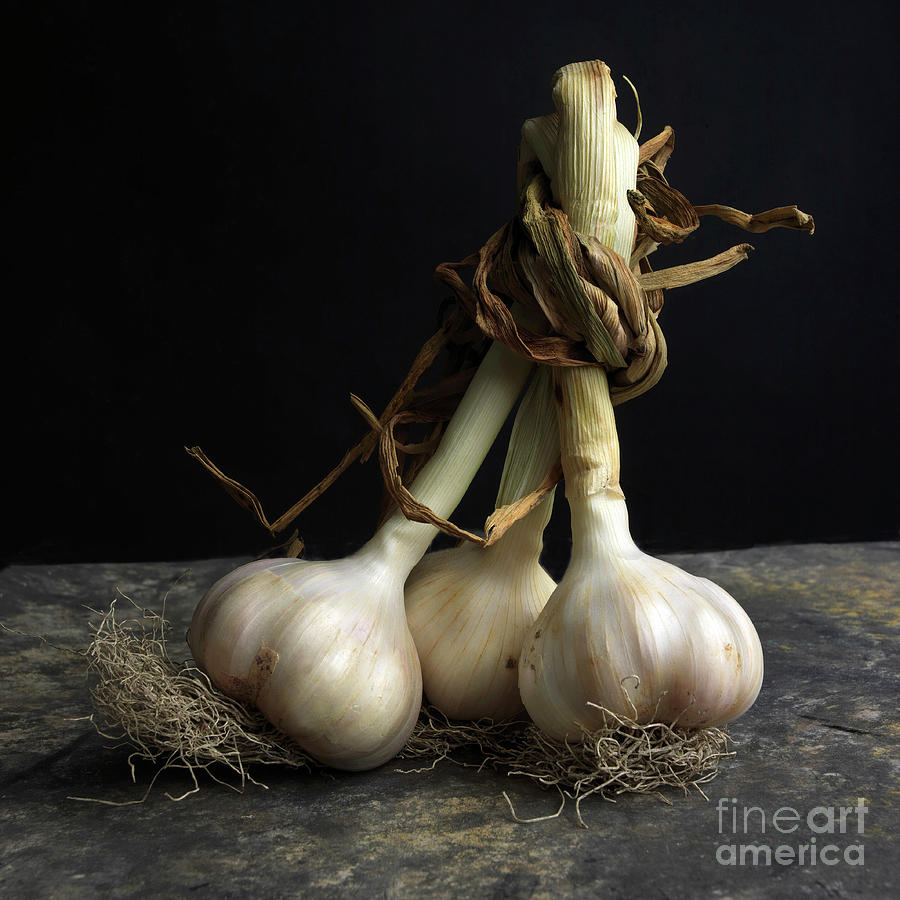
470	609
321	648
636	635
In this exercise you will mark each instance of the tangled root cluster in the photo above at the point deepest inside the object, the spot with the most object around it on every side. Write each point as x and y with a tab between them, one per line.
171	714
622	756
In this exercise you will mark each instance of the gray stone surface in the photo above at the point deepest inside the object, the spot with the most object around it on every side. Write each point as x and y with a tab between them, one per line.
823	733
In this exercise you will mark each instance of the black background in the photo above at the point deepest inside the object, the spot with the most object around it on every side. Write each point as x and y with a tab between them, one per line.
226	217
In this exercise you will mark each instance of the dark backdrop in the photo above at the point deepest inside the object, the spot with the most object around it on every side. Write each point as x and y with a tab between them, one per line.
226	217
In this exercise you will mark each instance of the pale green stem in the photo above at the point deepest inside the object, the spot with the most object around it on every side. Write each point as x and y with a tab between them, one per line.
443	480
590	458
596	166
532	453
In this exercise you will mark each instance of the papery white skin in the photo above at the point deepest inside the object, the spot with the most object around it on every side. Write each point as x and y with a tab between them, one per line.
470	609
636	635
346	668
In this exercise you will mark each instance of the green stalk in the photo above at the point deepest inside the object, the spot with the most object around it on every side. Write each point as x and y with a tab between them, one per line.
596	166
442	482
532	453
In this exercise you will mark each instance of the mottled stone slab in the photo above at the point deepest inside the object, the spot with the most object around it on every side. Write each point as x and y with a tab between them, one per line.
823	733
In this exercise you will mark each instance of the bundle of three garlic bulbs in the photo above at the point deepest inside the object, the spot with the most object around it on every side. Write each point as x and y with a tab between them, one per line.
323	649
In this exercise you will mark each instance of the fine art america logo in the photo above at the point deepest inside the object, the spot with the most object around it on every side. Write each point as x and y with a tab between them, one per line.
824	835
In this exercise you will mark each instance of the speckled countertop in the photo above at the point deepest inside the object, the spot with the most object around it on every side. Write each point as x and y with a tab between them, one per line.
824	733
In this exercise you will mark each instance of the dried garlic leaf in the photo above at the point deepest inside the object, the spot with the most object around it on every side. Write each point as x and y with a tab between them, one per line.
679	276
780	217
658	149
502	518
663	214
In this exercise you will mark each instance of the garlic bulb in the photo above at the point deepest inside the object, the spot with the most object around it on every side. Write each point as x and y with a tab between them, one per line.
272	634
623	630
323	648
634	634
470	608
